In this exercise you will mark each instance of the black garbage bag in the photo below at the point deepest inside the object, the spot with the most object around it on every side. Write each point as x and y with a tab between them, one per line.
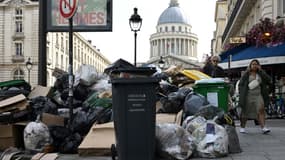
80	123
61	82
81	92
41	105
161	76
58	135
183	92
71	144
171	104
209	112
14	117
193	103
64	94
119	64
13	91
234	145
104	116
167	88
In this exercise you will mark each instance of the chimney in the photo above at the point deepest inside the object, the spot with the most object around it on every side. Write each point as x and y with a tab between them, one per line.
90	41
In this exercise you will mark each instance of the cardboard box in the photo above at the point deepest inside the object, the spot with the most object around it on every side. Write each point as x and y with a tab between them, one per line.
52	120
12	135
13	103
45	156
98	141
165	118
39	91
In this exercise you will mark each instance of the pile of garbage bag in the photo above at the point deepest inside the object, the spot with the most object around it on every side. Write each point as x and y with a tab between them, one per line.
205	131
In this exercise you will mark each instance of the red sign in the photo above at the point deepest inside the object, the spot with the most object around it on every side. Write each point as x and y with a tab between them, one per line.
67	8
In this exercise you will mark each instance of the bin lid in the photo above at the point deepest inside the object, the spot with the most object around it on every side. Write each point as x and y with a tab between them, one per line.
142	71
140	80
210	81
195	74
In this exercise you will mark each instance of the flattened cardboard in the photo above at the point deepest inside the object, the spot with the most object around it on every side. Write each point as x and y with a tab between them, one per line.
49	156
165	118
98	141
12	136
12	100
101	136
6	131
52	120
178	119
45	156
19	106
39	91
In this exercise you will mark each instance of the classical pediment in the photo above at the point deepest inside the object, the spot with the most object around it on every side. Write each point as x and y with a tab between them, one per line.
173	60
16	3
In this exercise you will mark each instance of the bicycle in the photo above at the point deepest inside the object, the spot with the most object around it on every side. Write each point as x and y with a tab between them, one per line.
276	107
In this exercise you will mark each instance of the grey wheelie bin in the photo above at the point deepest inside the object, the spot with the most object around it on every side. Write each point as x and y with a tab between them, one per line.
134	100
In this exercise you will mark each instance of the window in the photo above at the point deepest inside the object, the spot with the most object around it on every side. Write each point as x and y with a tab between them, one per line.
19	12
19	20
180	29
18	74
56	59
61	44
56	41
19	26
166	29
19	48
61	61
173	29
281	8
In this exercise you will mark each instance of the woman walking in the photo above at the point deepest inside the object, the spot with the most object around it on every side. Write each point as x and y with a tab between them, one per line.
254	95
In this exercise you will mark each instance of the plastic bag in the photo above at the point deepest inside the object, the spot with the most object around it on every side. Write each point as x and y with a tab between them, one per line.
173	141
234	145
86	75
193	103
211	140
191	123
102	85
36	136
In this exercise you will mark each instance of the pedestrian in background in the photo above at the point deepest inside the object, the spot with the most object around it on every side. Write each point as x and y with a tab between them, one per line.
254	95
212	68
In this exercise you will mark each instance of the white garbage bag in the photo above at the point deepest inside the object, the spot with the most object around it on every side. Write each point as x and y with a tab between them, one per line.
191	123
173	141
36	136
211	140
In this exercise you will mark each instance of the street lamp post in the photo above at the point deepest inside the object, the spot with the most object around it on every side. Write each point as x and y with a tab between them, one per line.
135	23
29	66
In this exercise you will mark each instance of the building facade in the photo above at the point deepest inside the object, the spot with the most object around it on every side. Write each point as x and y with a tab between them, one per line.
19	41
243	14
83	53
173	40
221	9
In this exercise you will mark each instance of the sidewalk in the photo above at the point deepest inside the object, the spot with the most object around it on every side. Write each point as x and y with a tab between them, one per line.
255	145
258	146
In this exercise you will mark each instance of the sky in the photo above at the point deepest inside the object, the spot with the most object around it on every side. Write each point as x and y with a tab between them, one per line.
119	43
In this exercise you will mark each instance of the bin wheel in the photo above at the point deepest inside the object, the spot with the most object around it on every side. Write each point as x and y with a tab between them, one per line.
113	151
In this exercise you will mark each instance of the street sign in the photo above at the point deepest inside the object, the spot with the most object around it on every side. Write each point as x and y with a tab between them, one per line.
90	16
237	40
67	8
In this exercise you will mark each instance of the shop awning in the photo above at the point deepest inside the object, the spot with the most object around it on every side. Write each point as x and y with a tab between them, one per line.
266	55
